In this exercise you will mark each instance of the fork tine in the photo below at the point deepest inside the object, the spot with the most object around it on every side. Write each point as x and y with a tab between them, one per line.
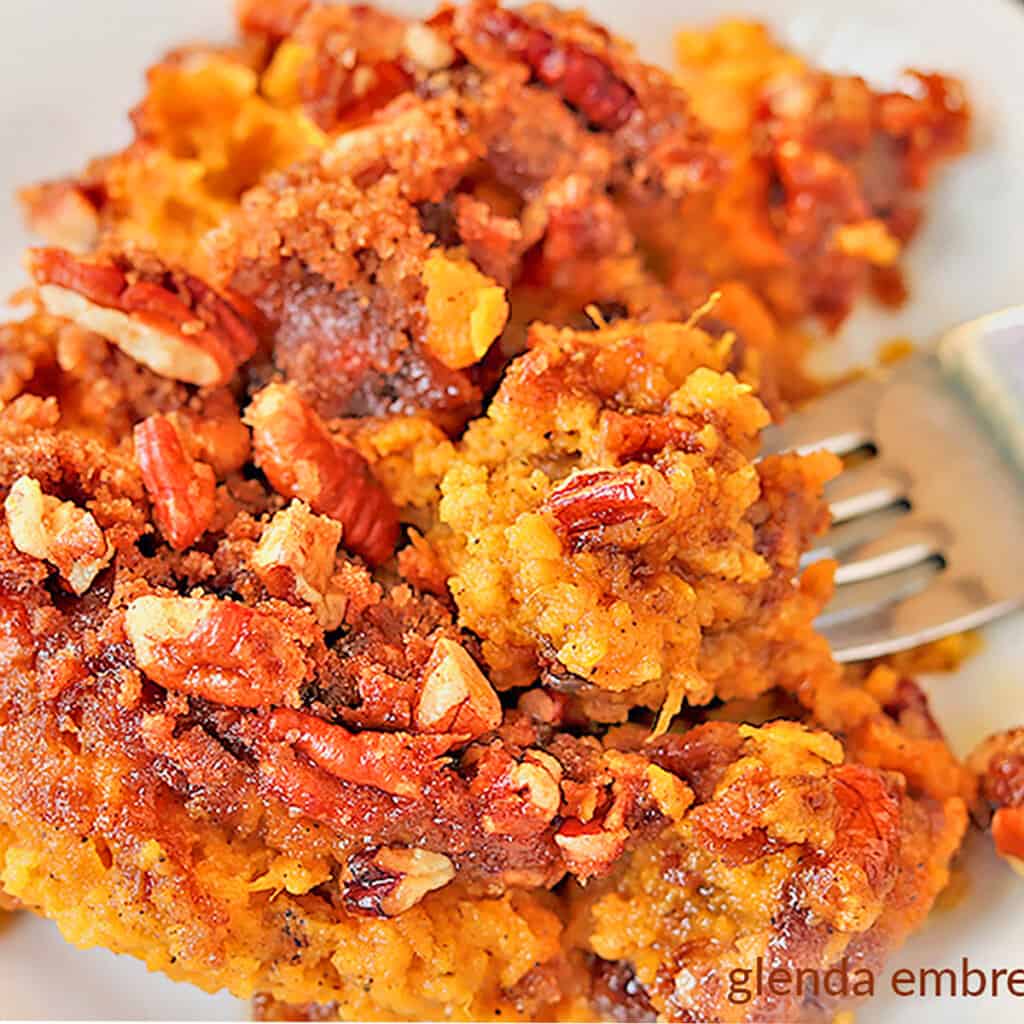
844	537
863	489
857	599
840	422
907	543
947	606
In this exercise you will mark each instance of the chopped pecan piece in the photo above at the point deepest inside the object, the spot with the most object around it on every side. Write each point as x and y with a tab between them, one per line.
426	48
394	762
221	651
295	561
302	460
589	849
999	764
356	63
518	797
456	696
182	490
494	242
625	505
387	881
214	434
543	706
58	532
273	18
63	213
466	310
169	321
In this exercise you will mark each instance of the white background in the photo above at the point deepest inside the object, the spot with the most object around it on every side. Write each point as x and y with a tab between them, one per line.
70	70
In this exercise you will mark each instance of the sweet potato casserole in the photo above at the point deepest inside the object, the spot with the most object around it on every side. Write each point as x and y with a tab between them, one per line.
397	618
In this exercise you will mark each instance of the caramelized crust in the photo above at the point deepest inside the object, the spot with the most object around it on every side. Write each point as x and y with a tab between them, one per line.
825	174
789	855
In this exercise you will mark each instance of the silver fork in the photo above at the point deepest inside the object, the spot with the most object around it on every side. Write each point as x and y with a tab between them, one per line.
928	529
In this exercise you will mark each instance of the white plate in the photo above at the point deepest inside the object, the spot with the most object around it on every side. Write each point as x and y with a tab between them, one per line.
71	69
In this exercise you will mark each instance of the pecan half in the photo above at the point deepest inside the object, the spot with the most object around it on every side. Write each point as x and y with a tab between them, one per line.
394	762
860	863
456	696
295	561
58	532
167	320
219	650
302	460
182	490
388	880
580	77
622	506
868	826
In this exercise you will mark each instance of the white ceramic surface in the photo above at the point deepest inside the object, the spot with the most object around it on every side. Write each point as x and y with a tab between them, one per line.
69	71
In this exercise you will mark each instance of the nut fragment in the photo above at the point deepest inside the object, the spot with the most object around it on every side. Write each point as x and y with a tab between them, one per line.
466	310
58	532
524	798
63	213
618	506
538	786
394	762
169	321
869	240
456	696
276	19
219	650
302	460
182	490
544	706
387	881
998	762
427	48
295	560
214	434
588	849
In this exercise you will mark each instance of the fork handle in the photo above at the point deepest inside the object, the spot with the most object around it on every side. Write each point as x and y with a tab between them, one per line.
985	359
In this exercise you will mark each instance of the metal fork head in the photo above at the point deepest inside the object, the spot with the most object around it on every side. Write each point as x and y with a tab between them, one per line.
929	527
